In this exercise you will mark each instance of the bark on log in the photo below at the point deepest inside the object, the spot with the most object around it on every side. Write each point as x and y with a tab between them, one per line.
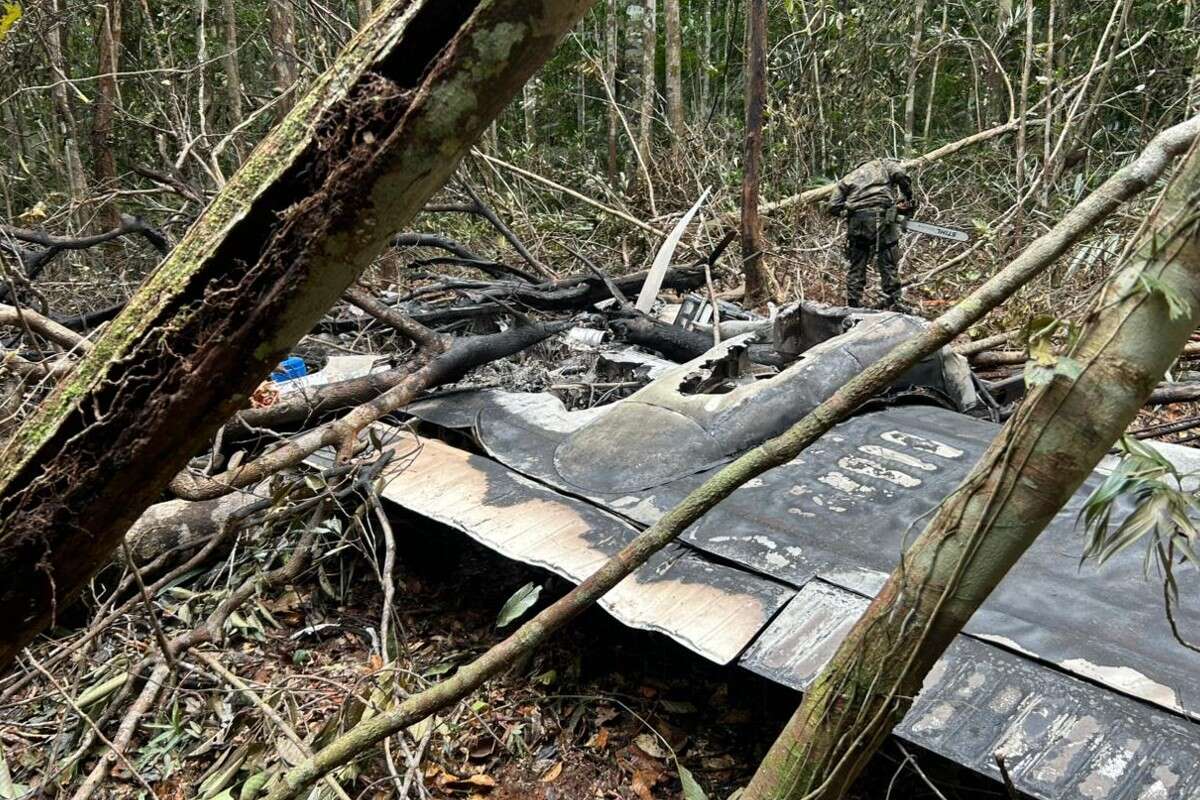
317	201
181	524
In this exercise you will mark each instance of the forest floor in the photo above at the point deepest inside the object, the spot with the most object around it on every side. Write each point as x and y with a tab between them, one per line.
603	712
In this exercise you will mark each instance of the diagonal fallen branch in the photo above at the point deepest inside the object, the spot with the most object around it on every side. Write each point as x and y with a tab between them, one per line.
1040	254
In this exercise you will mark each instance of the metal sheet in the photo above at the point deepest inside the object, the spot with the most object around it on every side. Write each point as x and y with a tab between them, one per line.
712	609
1060	737
1048	668
844	509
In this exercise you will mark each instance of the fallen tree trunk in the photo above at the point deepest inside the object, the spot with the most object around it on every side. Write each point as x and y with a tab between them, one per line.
1167	394
1035	259
319	198
1033	467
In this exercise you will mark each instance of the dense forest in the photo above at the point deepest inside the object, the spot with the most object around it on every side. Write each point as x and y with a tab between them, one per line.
295	293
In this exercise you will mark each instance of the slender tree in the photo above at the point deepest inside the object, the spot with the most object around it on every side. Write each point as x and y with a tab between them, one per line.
282	35
318	199
754	266
55	38
674	52
104	161
233	79
1037	462
649	52
910	87
612	50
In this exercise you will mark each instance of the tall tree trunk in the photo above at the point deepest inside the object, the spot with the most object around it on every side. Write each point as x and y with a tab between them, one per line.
529	108
104	162
233	80
705	58
1048	79
282	35
1034	466
933	76
910	88
315	203
754	266
612	35
1023	107
674	45
649	52
60	93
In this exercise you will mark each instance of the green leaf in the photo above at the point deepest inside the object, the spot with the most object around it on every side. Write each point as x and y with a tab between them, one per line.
691	789
254	785
521	601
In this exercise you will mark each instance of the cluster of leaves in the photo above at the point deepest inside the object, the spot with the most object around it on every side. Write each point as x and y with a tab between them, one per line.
1166	506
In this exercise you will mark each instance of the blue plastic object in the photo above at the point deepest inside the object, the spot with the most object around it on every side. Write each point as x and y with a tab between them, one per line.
289	369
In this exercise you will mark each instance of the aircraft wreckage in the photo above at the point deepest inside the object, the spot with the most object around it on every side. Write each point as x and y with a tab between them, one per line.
1070	673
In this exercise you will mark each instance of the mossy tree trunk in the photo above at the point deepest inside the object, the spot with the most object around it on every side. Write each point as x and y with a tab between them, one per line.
1034	466
318	199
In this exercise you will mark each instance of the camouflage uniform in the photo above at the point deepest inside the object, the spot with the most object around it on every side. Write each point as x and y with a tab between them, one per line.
867	198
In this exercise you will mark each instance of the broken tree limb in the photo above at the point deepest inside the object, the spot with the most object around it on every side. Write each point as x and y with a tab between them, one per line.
484	210
1033	467
672	341
404	324
28	320
810	196
980	345
1174	393
182	525
566	294
464	355
298	407
1036	258
319	198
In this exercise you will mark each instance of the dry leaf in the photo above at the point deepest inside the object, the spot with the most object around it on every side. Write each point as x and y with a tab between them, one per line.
553	773
651	745
599	739
473	784
642	783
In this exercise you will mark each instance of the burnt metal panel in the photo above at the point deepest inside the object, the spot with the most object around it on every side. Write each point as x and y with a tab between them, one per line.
713	609
1061	738
845	508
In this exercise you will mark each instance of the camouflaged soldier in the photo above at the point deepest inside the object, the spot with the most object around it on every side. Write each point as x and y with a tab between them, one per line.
867	198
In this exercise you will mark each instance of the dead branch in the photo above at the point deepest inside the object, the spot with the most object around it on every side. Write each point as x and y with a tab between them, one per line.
404	324
463	356
34	261
463	256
